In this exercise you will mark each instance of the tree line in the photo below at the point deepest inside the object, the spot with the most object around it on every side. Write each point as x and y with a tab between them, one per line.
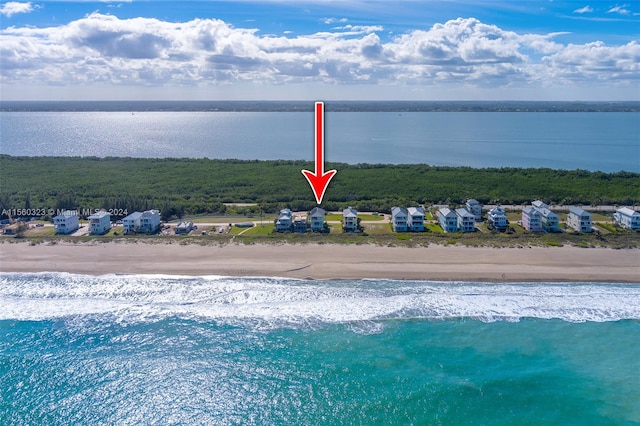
179	187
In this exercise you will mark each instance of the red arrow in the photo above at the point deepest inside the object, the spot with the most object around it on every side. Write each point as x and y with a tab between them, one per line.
320	179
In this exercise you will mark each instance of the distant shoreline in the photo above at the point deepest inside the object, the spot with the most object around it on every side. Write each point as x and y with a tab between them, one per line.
330	261
330	106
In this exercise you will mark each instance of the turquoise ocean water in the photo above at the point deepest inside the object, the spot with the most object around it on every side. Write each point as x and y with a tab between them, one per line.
132	349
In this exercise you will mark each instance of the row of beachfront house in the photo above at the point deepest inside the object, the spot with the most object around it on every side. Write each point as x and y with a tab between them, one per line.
287	222
407	220
315	221
146	222
68	222
535	218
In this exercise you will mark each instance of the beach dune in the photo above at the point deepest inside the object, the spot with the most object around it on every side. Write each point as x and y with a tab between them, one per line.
319	261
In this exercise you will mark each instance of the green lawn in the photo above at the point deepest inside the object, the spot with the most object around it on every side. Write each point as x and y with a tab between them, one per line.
378	228
434	228
266	229
599	217
607	227
46	231
337	217
514	216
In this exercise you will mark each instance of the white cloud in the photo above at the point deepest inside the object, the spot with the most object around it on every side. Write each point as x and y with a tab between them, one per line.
596	62
106	51
13	7
586	9
622	10
330	21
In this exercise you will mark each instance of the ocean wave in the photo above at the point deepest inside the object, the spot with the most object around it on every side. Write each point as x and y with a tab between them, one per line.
289	302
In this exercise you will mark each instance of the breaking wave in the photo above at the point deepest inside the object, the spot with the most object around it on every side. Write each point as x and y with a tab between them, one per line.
279	302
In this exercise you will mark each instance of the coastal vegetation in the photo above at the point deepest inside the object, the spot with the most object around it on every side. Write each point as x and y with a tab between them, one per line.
179	187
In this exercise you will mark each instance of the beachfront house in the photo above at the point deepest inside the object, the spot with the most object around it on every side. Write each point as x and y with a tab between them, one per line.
284	221
300	224
466	220
448	220
317	223
66	222
399	219
99	223
627	218
150	221
183	228
475	208
131	223
549	220
579	219
350	219
497	219
415	219
531	219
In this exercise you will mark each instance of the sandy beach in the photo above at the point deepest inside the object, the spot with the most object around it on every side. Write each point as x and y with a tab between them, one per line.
329	261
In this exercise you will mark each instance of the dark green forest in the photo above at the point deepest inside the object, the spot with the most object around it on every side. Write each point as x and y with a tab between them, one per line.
179	187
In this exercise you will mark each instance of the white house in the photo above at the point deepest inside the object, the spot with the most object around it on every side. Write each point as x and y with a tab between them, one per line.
66	222
466	220
415	219
549	220
475	208
184	228
350	219
284	221
399	219
150	221
131	223
317	219
448	220
99	223
627	218
531	219
579	219
497	218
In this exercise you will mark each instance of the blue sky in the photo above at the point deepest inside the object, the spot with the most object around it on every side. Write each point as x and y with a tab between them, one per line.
322	49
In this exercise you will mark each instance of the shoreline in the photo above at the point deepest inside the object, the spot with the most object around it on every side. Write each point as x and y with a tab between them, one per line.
330	261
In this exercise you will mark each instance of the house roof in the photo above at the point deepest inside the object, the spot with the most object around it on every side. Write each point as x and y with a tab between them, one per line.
350	212
133	216
530	211
472	201
628	211
415	211
317	211
578	211
540	204
285	213
66	213
398	211
99	215
497	210
464	213
446	211
546	212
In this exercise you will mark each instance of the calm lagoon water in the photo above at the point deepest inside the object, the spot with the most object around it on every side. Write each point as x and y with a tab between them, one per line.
606	141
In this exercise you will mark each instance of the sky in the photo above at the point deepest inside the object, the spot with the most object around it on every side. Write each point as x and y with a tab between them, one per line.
320	50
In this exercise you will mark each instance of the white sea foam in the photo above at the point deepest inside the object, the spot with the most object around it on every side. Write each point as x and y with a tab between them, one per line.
280	301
